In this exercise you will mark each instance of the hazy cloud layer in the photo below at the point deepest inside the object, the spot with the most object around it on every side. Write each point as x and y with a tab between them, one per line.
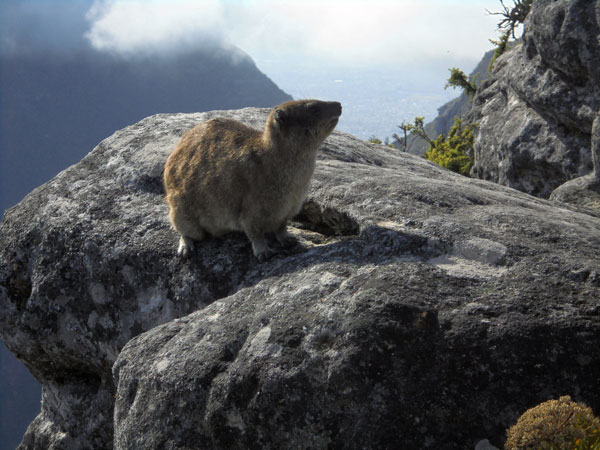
130	27
348	31
368	32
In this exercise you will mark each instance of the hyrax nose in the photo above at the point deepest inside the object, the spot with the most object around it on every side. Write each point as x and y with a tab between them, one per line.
335	108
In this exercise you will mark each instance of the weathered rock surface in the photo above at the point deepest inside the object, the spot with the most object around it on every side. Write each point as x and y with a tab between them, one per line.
584	191
426	310
581	191
535	112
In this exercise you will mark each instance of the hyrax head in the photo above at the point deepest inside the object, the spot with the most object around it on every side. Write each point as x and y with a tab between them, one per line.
311	120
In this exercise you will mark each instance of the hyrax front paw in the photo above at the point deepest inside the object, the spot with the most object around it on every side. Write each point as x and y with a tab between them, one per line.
186	246
261	250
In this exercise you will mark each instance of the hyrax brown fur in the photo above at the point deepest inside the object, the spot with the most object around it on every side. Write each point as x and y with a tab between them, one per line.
225	176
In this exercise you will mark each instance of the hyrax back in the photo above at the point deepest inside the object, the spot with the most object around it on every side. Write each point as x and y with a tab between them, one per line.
225	176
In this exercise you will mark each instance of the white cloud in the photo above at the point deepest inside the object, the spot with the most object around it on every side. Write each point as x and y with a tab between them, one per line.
139	26
348	32
371	31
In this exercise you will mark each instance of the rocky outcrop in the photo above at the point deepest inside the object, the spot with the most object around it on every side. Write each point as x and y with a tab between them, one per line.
423	310
535	113
584	191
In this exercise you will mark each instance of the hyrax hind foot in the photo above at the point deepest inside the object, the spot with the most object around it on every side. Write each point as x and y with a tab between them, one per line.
285	239
288	244
265	255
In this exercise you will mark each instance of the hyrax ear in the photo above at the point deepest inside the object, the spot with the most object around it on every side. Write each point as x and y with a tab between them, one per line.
280	116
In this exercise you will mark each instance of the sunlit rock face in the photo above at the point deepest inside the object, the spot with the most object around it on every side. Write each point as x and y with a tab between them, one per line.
421	308
535	112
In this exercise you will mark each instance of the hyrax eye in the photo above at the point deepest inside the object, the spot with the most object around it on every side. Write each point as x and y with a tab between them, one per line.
280	116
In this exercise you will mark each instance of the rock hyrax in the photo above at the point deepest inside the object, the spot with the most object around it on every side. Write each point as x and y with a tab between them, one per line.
225	176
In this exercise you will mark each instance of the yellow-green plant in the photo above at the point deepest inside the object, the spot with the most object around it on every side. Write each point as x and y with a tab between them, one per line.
502	46
416	128
453	151
374	140
555	425
458	79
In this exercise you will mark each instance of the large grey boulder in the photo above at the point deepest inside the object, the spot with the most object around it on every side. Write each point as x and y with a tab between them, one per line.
425	309
535	112
584	191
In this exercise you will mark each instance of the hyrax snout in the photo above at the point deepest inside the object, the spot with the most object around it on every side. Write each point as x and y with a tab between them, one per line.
225	176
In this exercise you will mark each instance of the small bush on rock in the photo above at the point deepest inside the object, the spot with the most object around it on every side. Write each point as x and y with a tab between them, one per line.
458	79
453	152
374	140
555	425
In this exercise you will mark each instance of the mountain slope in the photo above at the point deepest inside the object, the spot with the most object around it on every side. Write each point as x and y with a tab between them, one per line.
55	108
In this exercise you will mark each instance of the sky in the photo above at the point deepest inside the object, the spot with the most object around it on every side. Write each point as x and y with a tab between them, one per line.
393	53
340	32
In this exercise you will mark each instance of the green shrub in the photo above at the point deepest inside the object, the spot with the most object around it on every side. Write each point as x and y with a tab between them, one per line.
453	152
501	47
555	425
376	140
458	79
